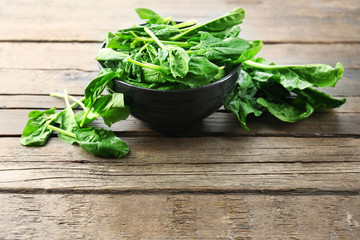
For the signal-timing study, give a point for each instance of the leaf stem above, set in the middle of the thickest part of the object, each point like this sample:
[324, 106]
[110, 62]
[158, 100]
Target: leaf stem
[180, 44]
[265, 66]
[59, 130]
[145, 65]
[76, 101]
[85, 117]
[152, 35]
[185, 24]
[67, 103]
[143, 47]
[186, 31]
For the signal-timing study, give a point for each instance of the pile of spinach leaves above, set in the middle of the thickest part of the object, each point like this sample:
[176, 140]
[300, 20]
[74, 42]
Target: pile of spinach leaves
[168, 55]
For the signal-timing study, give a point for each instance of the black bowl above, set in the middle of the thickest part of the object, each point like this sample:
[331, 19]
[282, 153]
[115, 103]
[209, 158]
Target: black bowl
[175, 110]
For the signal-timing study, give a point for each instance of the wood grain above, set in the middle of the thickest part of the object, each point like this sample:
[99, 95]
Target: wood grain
[214, 181]
[330, 123]
[272, 20]
[187, 216]
[80, 56]
[219, 164]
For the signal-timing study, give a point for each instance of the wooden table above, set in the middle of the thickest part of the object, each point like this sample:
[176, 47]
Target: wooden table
[217, 181]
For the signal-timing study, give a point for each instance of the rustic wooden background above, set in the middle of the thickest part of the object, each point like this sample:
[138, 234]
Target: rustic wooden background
[216, 181]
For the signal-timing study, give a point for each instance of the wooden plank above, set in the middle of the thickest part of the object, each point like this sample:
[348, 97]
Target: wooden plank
[80, 56]
[352, 104]
[44, 81]
[178, 216]
[47, 81]
[274, 21]
[54, 56]
[187, 150]
[187, 165]
[331, 123]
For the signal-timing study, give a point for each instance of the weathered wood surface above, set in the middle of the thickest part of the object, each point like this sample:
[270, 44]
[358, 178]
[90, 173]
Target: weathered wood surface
[215, 181]
[167, 216]
[271, 20]
[234, 164]
[328, 123]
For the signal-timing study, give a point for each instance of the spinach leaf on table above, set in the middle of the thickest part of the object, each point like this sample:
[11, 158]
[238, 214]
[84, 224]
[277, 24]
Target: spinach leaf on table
[242, 100]
[299, 76]
[111, 108]
[99, 142]
[36, 131]
[285, 91]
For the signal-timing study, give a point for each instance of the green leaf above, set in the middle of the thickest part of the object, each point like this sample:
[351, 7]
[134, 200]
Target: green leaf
[292, 111]
[121, 42]
[216, 49]
[250, 52]
[97, 85]
[101, 142]
[178, 61]
[233, 33]
[111, 108]
[319, 99]
[109, 37]
[242, 101]
[145, 13]
[91, 116]
[227, 21]
[301, 76]
[67, 123]
[108, 54]
[98, 142]
[201, 72]
[36, 132]
[154, 76]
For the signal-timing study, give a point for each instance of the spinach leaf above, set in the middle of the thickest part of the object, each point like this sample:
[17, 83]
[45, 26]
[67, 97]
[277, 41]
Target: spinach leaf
[319, 99]
[227, 21]
[95, 88]
[201, 72]
[97, 85]
[98, 142]
[300, 76]
[292, 111]
[101, 142]
[108, 54]
[216, 49]
[242, 101]
[253, 49]
[178, 61]
[111, 108]
[173, 59]
[145, 13]
[36, 131]
[67, 122]
[285, 91]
